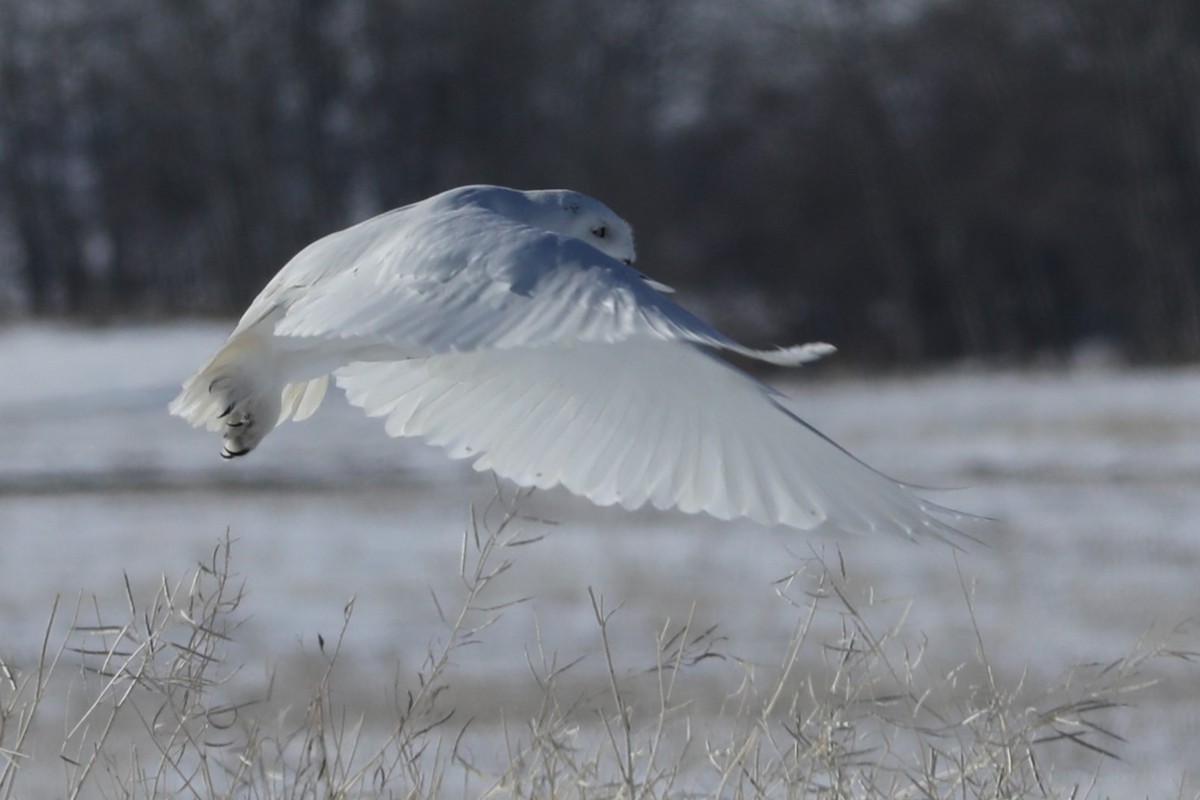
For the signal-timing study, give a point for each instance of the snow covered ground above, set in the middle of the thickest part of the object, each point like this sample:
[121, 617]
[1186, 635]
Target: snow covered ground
[1093, 476]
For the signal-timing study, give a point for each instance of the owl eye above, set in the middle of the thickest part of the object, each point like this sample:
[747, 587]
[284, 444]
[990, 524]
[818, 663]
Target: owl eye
[600, 232]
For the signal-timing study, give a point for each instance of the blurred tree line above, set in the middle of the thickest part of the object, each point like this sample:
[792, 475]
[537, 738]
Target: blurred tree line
[914, 181]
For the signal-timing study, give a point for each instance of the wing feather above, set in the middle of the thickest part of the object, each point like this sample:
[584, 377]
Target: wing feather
[640, 422]
[603, 473]
[632, 473]
[430, 279]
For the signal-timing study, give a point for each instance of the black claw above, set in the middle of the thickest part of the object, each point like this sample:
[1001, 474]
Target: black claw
[228, 410]
[226, 453]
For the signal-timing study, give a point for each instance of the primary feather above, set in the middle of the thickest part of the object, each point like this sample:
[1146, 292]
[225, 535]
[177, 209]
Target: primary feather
[511, 327]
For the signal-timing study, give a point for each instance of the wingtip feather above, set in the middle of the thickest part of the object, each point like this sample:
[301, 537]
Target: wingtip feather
[800, 354]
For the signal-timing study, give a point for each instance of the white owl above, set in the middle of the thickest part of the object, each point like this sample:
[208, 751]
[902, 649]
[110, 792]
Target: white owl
[511, 328]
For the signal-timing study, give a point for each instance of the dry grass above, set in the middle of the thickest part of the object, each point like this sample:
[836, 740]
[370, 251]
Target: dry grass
[142, 706]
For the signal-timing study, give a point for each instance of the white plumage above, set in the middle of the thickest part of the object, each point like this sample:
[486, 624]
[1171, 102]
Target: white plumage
[510, 327]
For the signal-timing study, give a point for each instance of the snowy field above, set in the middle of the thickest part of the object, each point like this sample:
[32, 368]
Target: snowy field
[1093, 476]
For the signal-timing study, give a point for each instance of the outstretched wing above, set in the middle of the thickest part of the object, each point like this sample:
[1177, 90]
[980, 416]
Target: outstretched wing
[468, 279]
[640, 421]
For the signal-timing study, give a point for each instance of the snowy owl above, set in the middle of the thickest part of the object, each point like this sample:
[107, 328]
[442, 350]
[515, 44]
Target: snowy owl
[510, 327]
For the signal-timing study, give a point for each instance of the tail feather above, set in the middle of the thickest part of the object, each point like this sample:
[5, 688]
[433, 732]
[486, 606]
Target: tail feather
[301, 399]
